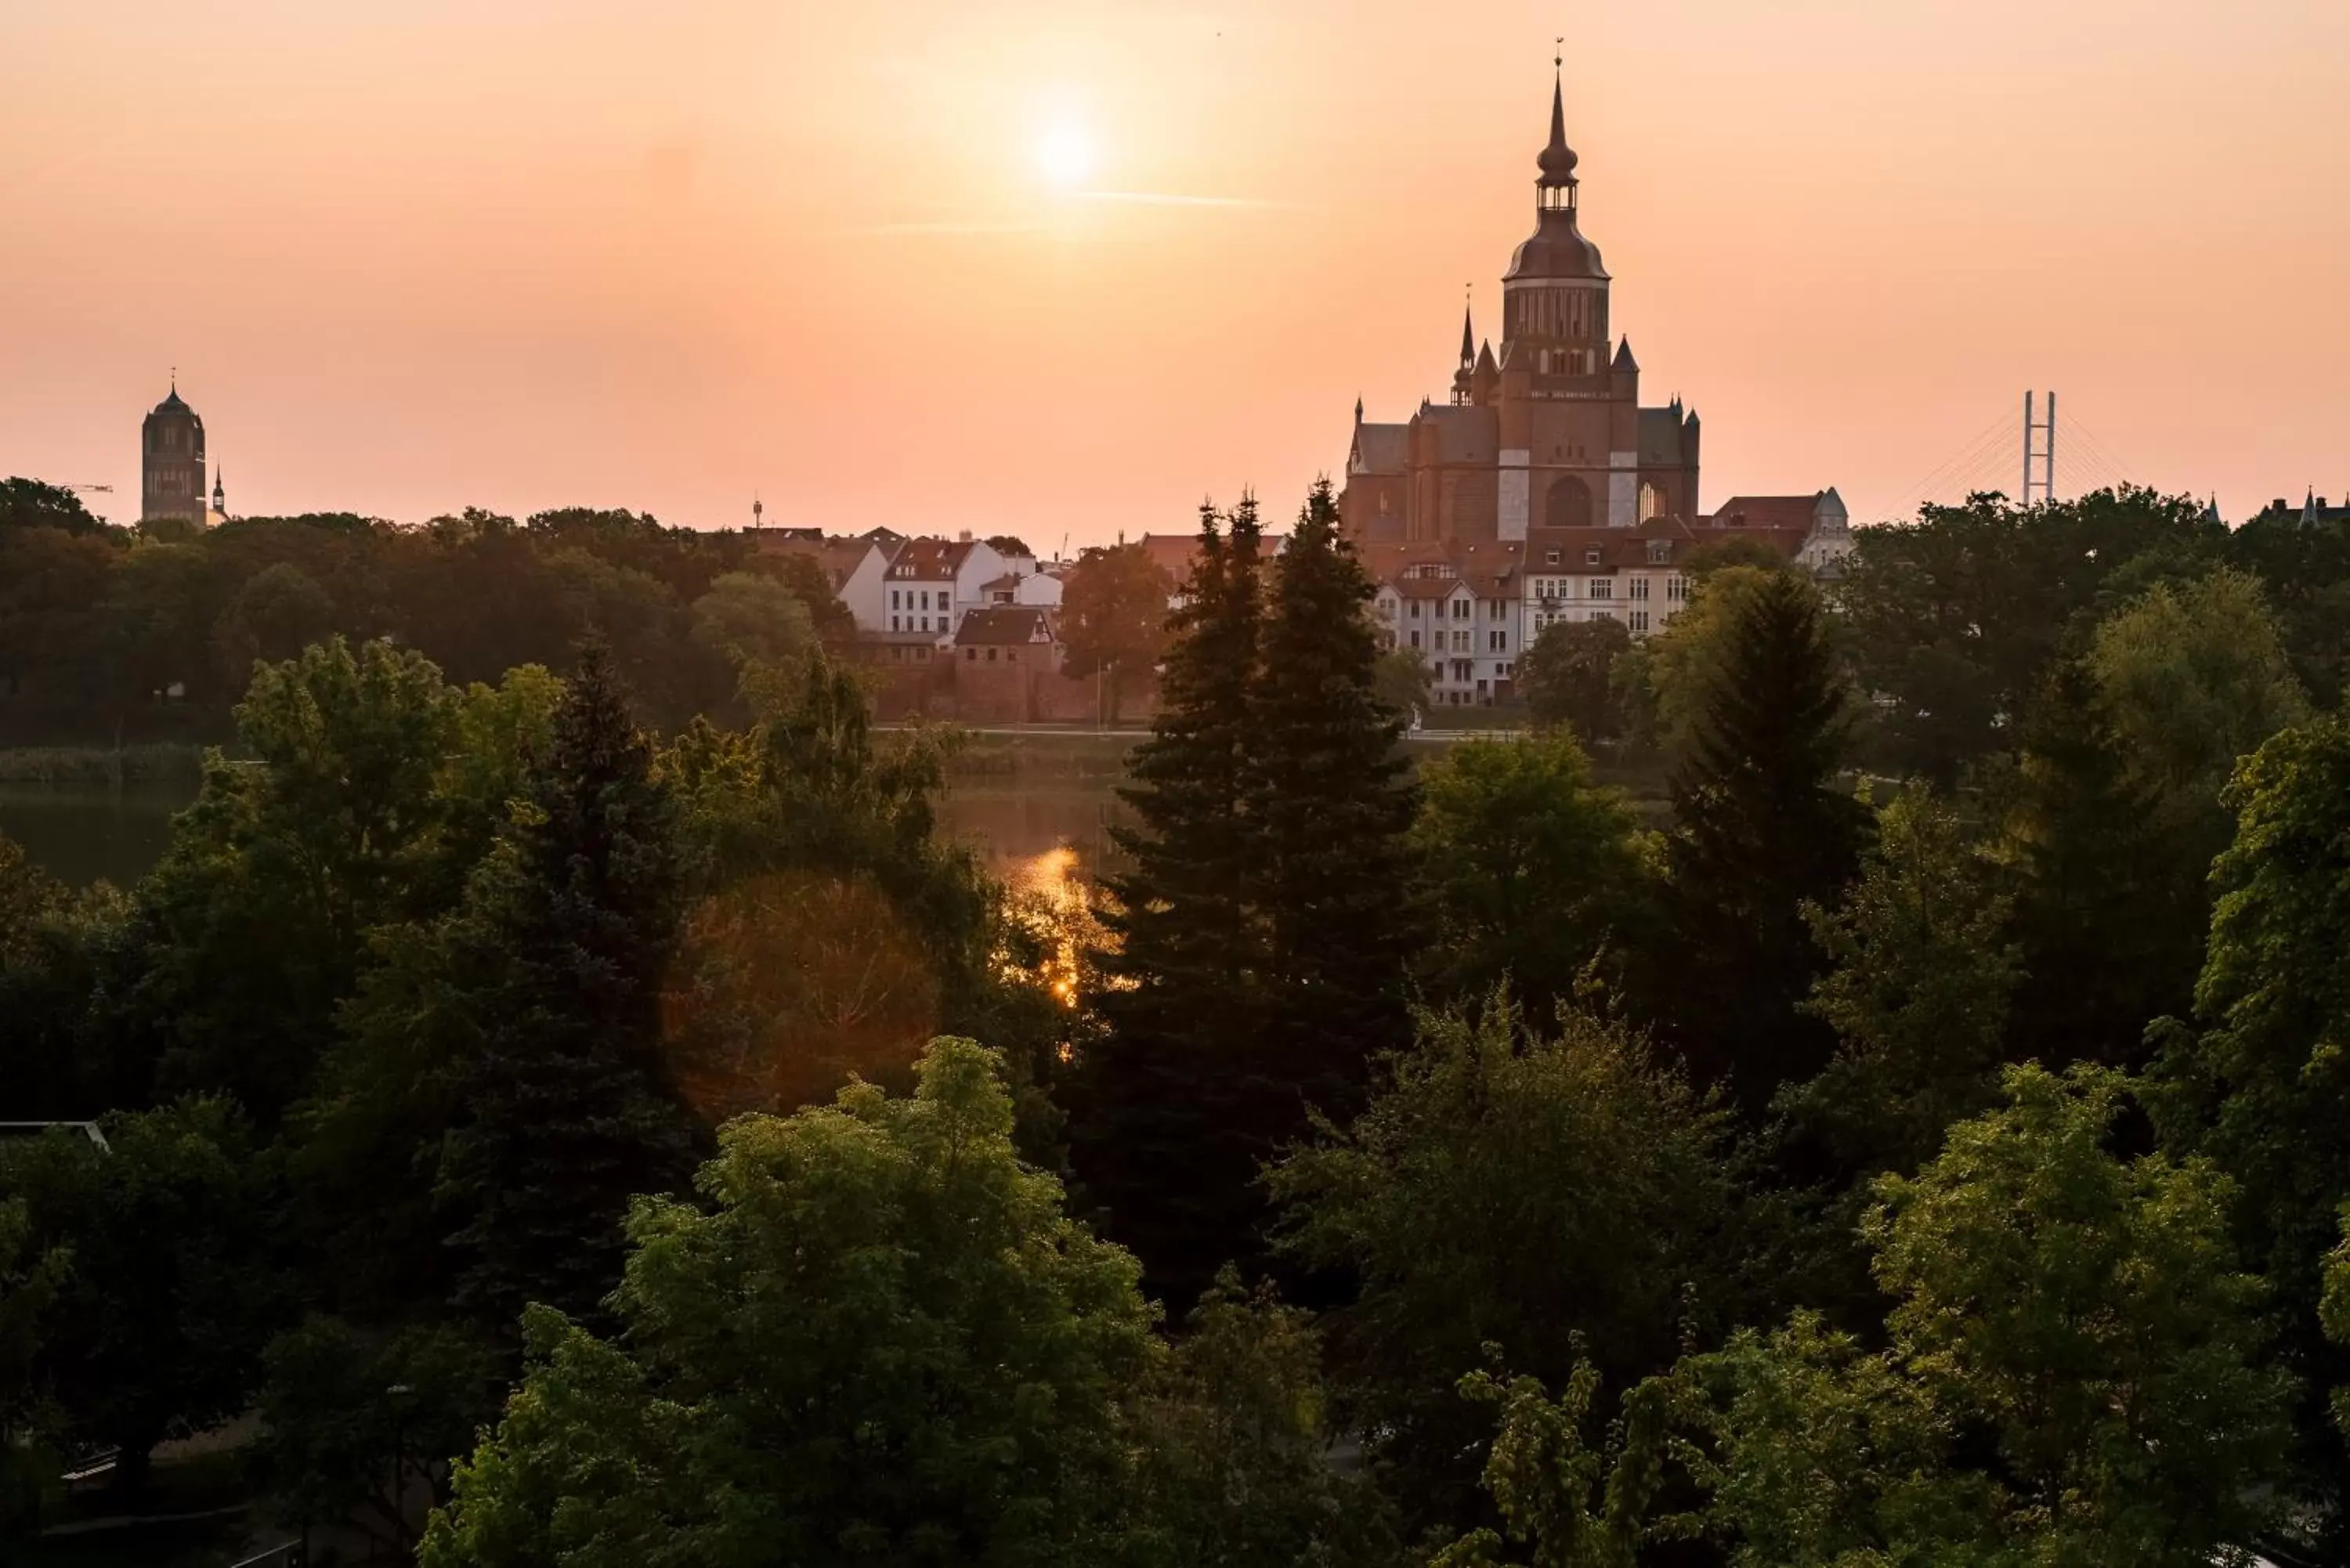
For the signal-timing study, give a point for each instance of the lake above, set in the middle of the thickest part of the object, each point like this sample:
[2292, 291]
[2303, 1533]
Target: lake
[83, 833]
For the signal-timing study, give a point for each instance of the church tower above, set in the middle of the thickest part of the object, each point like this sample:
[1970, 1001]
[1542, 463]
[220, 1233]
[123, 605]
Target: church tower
[171, 462]
[1550, 435]
[1569, 409]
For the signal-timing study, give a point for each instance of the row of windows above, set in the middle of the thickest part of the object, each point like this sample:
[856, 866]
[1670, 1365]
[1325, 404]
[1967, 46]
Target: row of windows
[1659, 550]
[1579, 314]
[1547, 588]
[1636, 619]
[1010, 656]
[945, 598]
[910, 625]
[1495, 610]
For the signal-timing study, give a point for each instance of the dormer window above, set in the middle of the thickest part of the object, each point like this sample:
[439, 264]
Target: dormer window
[1553, 558]
[1659, 551]
[1591, 556]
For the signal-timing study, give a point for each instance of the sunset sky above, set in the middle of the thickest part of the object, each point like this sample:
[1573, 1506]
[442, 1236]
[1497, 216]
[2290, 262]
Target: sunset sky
[1066, 269]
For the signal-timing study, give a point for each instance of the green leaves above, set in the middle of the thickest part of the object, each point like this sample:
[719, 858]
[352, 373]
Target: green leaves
[1114, 618]
[878, 1341]
[2071, 1374]
[1760, 826]
[1554, 1193]
[1567, 677]
[169, 1236]
[1536, 875]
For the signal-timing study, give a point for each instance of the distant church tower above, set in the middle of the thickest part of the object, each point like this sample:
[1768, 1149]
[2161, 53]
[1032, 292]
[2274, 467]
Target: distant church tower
[1550, 433]
[171, 462]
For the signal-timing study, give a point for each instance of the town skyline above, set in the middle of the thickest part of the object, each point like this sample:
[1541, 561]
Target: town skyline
[1063, 276]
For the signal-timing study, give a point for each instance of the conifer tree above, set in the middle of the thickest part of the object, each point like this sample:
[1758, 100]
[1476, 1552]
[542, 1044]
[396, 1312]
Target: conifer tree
[564, 1104]
[1760, 829]
[1329, 804]
[2110, 909]
[1157, 1136]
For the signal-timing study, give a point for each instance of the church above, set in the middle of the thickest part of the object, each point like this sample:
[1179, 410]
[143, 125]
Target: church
[171, 467]
[1542, 492]
[1551, 433]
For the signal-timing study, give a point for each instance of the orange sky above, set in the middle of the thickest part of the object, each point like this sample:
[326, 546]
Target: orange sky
[531, 252]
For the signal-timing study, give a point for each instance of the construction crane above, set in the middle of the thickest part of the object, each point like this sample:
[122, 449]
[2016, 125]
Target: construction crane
[91, 489]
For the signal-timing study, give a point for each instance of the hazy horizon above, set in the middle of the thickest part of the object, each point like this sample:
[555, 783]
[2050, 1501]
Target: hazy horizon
[1050, 269]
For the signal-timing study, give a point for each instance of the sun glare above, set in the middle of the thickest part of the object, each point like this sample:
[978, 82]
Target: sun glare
[1065, 155]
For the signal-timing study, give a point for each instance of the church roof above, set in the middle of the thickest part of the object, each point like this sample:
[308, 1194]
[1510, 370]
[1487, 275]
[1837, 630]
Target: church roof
[1382, 449]
[1461, 433]
[1660, 438]
[1556, 249]
[172, 404]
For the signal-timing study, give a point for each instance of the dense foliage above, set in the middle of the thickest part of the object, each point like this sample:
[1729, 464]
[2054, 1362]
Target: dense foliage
[1113, 619]
[1919, 1139]
[879, 1339]
[109, 633]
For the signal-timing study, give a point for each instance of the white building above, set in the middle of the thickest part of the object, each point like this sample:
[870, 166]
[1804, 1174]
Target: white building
[1471, 609]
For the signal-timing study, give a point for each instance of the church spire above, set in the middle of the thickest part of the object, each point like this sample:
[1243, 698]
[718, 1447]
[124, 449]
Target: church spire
[1557, 160]
[1465, 373]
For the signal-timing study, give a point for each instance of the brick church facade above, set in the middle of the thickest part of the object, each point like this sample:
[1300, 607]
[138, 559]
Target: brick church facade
[1542, 491]
[1550, 433]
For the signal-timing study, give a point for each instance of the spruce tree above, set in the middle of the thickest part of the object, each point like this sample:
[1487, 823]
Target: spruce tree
[1157, 1136]
[1329, 801]
[564, 1105]
[2110, 910]
[1760, 828]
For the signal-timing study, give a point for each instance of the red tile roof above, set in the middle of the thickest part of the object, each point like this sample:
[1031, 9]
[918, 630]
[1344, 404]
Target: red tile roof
[1766, 511]
[929, 559]
[1001, 626]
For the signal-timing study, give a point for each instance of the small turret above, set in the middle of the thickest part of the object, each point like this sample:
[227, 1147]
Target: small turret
[1486, 378]
[1465, 375]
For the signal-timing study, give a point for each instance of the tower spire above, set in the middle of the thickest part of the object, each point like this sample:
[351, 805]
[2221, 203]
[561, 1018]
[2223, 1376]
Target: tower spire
[1557, 161]
[1468, 337]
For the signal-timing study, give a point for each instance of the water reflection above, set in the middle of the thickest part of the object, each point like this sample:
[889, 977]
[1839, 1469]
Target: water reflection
[81, 833]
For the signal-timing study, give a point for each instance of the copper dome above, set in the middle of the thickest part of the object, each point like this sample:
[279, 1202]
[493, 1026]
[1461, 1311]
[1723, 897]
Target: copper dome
[1556, 249]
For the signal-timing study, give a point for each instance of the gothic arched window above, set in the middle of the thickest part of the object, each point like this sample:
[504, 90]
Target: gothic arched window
[1652, 499]
[1568, 505]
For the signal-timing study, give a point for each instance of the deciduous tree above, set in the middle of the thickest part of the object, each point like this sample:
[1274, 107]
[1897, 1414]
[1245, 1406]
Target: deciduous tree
[1554, 1193]
[1567, 677]
[1114, 619]
[1534, 874]
[876, 1339]
[171, 1233]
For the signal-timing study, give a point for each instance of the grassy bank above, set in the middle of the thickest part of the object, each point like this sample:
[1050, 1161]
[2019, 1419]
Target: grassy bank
[84, 765]
[1073, 756]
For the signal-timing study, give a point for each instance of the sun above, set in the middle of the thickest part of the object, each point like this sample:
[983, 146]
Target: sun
[1065, 154]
